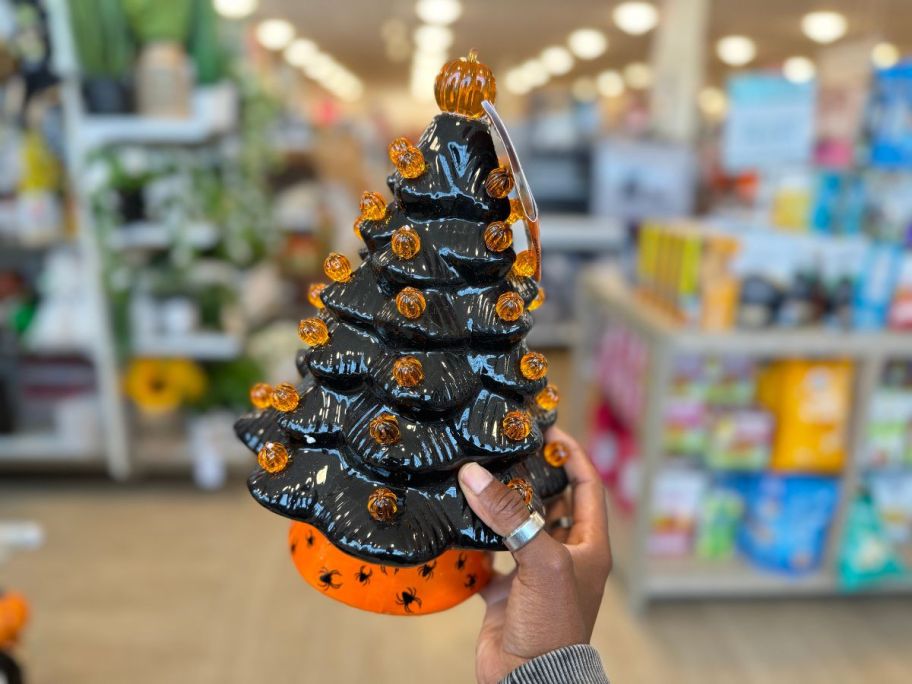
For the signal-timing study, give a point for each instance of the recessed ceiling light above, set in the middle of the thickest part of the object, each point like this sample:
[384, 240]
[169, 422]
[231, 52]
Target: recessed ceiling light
[274, 34]
[635, 18]
[584, 89]
[824, 27]
[535, 73]
[557, 60]
[235, 9]
[433, 39]
[516, 82]
[736, 50]
[320, 66]
[610, 83]
[884, 55]
[300, 52]
[638, 75]
[713, 103]
[441, 12]
[587, 43]
[799, 69]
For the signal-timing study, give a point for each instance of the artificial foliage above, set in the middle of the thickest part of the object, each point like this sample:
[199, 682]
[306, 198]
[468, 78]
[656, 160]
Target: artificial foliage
[416, 364]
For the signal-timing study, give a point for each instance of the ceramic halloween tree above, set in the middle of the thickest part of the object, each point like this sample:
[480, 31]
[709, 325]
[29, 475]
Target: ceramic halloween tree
[416, 364]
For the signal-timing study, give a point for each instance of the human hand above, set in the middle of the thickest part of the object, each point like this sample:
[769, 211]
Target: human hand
[553, 596]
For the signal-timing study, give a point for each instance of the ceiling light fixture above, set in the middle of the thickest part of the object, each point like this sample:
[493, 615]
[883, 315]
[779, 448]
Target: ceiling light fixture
[610, 83]
[587, 43]
[557, 60]
[635, 18]
[884, 55]
[235, 9]
[824, 27]
[799, 69]
[274, 34]
[736, 51]
[439, 12]
[584, 89]
[713, 103]
[300, 52]
[433, 39]
[638, 75]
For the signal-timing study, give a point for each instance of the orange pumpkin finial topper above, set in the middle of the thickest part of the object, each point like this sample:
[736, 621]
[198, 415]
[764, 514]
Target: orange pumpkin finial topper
[463, 84]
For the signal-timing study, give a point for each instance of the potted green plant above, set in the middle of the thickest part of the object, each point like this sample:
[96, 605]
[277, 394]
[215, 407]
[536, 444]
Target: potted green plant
[163, 79]
[106, 55]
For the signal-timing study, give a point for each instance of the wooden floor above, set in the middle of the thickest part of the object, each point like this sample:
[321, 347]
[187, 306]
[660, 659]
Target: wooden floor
[160, 583]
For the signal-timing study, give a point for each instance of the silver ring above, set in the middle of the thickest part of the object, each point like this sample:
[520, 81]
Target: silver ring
[525, 533]
[564, 523]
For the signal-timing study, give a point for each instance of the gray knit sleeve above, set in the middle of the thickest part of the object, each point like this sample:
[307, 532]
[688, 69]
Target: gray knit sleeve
[577, 664]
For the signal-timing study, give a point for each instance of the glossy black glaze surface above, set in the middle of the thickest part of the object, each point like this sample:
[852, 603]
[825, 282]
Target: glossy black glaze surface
[470, 359]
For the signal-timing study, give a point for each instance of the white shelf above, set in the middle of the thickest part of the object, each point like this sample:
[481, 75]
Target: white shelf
[214, 112]
[202, 346]
[42, 447]
[580, 233]
[644, 317]
[145, 235]
[553, 334]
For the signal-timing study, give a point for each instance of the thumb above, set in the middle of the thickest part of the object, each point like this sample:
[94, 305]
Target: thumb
[503, 510]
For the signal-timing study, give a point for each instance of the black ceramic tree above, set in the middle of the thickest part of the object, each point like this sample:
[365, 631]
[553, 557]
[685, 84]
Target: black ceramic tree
[416, 364]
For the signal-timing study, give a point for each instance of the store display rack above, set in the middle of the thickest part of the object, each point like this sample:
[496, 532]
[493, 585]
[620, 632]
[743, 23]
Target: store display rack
[604, 299]
[595, 236]
[213, 115]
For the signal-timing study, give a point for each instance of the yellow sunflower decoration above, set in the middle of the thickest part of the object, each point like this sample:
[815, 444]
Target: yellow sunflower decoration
[163, 385]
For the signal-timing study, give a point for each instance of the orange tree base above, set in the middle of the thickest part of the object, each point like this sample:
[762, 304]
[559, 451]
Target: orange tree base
[442, 583]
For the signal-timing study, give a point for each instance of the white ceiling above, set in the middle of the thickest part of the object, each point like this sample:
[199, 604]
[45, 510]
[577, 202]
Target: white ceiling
[507, 32]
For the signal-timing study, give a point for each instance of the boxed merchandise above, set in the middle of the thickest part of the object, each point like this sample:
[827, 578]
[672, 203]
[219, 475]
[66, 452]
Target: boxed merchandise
[786, 521]
[866, 555]
[901, 307]
[811, 404]
[739, 439]
[875, 286]
[685, 426]
[889, 430]
[676, 498]
[720, 514]
[891, 493]
[730, 380]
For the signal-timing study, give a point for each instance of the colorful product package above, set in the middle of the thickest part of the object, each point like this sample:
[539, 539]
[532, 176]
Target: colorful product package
[891, 493]
[786, 522]
[721, 510]
[731, 380]
[811, 403]
[739, 439]
[676, 497]
[685, 426]
[889, 429]
[875, 286]
[866, 555]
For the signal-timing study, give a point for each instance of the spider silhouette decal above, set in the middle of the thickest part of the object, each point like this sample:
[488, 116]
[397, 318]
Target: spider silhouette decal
[461, 561]
[427, 570]
[327, 578]
[310, 539]
[471, 579]
[384, 569]
[408, 597]
[364, 576]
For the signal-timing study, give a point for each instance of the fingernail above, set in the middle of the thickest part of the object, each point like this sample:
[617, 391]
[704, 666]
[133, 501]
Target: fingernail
[475, 477]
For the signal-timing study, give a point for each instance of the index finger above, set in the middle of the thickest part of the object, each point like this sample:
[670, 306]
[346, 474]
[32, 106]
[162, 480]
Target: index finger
[590, 511]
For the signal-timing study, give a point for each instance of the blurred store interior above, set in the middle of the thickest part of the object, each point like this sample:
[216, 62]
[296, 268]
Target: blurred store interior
[725, 193]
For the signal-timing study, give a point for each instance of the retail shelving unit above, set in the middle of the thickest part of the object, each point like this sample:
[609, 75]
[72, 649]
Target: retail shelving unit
[213, 114]
[603, 299]
[568, 233]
